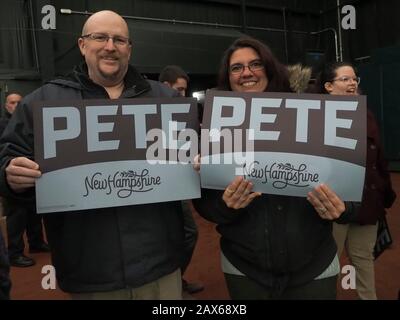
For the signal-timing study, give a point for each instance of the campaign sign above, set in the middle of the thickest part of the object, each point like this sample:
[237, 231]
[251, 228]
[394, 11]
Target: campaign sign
[284, 143]
[108, 153]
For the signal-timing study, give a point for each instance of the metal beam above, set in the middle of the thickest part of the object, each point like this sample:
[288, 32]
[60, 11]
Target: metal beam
[261, 6]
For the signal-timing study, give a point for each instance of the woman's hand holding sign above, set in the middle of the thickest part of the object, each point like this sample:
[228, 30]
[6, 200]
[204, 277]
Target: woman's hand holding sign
[21, 174]
[326, 202]
[196, 163]
[239, 193]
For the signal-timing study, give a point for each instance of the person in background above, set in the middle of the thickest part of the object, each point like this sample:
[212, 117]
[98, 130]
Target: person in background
[12, 100]
[272, 246]
[21, 216]
[176, 78]
[299, 78]
[359, 236]
[5, 282]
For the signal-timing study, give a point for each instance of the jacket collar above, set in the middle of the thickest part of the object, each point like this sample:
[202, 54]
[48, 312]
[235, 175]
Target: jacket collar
[134, 82]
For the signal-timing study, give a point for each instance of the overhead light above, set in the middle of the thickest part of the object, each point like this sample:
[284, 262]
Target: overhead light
[66, 11]
[199, 95]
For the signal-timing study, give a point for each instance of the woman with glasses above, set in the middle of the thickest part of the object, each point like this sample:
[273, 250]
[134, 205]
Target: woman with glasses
[359, 236]
[338, 78]
[272, 246]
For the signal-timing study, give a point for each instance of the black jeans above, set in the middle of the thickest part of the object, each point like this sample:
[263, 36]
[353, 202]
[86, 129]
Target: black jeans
[19, 219]
[243, 288]
[5, 283]
[191, 235]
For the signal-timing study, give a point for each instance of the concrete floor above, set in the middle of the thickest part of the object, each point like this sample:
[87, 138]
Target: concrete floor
[205, 266]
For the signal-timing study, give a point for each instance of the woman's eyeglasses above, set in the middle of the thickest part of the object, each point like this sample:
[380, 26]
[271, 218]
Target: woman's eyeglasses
[348, 79]
[238, 68]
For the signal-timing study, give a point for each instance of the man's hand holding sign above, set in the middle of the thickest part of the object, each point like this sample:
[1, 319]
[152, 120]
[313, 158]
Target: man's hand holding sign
[21, 174]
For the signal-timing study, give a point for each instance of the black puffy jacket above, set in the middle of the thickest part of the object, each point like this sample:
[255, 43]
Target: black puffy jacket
[278, 241]
[101, 249]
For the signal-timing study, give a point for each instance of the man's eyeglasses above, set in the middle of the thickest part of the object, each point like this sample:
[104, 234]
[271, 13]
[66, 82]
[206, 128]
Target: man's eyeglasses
[101, 37]
[238, 68]
[348, 79]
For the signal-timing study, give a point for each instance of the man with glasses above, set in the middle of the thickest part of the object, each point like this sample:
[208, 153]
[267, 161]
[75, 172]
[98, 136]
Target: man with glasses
[130, 252]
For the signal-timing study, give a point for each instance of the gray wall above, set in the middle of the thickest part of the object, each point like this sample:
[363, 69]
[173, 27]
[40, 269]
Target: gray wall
[196, 48]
